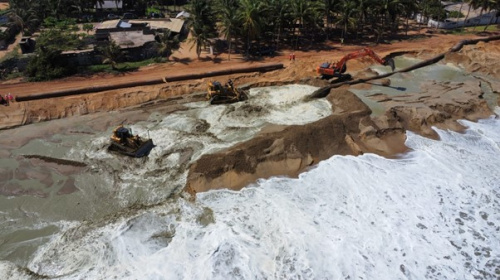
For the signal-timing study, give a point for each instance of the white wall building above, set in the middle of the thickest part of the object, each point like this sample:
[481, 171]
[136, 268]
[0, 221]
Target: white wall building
[110, 5]
[475, 17]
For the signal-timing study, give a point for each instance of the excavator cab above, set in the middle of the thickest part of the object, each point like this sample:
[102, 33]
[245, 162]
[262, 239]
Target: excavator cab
[337, 69]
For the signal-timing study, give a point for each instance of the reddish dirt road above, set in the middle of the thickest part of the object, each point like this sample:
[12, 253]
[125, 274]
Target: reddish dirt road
[186, 63]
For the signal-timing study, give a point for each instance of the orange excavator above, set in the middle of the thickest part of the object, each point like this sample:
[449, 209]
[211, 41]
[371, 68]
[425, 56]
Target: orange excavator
[330, 70]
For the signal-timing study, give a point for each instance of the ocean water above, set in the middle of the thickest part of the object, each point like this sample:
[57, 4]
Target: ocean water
[433, 213]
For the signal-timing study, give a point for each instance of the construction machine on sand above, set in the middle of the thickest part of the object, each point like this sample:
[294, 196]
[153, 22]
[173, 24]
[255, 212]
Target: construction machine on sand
[124, 142]
[219, 94]
[330, 70]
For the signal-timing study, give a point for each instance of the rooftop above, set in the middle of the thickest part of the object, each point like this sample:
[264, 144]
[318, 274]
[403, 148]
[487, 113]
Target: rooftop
[109, 24]
[110, 5]
[130, 39]
[173, 24]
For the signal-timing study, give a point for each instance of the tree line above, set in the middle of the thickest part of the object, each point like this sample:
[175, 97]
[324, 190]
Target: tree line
[298, 22]
[268, 21]
[247, 26]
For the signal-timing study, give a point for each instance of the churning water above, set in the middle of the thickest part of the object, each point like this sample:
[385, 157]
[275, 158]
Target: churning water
[434, 213]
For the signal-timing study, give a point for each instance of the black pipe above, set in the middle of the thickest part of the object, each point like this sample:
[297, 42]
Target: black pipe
[92, 89]
[324, 91]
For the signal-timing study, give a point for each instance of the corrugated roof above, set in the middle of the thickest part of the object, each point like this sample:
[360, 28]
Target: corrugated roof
[130, 39]
[173, 24]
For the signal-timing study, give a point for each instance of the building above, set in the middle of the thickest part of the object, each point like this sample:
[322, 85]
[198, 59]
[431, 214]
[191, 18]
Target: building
[151, 26]
[476, 17]
[175, 25]
[131, 39]
[109, 5]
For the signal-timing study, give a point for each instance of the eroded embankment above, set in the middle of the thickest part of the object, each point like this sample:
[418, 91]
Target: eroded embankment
[350, 130]
[171, 90]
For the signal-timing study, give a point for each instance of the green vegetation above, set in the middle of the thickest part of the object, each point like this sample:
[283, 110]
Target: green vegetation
[8, 64]
[120, 67]
[456, 14]
[251, 27]
[48, 63]
[167, 43]
[111, 54]
[202, 23]
[492, 28]
[87, 27]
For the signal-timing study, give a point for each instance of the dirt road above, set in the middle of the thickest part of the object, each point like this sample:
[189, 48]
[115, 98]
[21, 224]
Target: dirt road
[186, 63]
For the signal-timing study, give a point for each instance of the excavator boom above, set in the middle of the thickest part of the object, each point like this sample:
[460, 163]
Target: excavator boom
[337, 69]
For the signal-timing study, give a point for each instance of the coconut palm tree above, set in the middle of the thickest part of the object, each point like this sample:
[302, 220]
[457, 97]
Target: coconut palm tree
[488, 6]
[167, 43]
[201, 23]
[111, 54]
[304, 12]
[470, 3]
[250, 17]
[227, 15]
[277, 12]
[28, 14]
[410, 7]
[329, 8]
[347, 15]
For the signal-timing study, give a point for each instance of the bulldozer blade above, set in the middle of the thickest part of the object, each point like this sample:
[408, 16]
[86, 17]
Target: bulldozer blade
[390, 62]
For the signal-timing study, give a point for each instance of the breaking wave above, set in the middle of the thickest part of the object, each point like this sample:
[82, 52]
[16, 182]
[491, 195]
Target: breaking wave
[433, 214]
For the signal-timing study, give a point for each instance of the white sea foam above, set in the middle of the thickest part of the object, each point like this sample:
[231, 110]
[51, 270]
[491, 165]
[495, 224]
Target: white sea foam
[432, 214]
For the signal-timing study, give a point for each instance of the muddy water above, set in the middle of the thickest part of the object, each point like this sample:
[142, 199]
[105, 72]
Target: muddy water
[402, 83]
[111, 213]
[39, 197]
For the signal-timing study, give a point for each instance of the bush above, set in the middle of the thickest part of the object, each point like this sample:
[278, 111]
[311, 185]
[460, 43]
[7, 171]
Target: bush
[455, 14]
[8, 64]
[87, 27]
[48, 64]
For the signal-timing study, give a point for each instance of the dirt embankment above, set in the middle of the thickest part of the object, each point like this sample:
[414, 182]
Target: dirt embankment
[349, 131]
[303, 67]
[289, 150]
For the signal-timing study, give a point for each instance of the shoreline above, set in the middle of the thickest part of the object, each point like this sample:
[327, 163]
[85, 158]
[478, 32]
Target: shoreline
[286, 150]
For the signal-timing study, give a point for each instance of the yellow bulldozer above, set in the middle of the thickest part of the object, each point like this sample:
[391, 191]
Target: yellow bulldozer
[124, 142]
[223, 94]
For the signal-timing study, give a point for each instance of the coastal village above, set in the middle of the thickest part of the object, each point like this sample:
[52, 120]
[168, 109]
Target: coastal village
[136, 116]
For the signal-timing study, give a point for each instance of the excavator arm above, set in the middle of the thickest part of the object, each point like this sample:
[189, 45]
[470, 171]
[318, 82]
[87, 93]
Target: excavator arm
[337, 69]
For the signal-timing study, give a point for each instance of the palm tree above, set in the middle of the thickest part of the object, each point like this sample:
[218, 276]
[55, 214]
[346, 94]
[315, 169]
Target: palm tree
[249, 15]
[409, 7]
[228, 20]
[347, 16]
[460, 10]
[329, 8]
[111, 54]
[277, 11]
[27, 14]
[304, 11]
[201, 23]
[488, 6]
[167, 44]
[469, 3]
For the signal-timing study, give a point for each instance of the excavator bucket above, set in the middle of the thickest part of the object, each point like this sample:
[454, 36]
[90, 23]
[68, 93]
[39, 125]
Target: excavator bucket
[390, 62]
